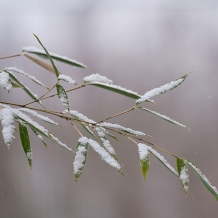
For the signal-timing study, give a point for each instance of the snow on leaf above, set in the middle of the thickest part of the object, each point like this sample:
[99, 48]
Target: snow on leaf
[8, 128]
[13, 69]
[59, 142]
[163, 117]
[161, 90]
[5, 81]
[183, 174]
[35, 114]
[144, 159]
[123, 129]
[80, 159]
[81, 117]
[66, 79]
[39, 136]
[97, 78]
[162, 160]
[63, 96]
[42, 54]
[212, 189]
[101, 152]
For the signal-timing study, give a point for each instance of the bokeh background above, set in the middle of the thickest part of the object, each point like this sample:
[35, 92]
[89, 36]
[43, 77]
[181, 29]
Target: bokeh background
[140, 45]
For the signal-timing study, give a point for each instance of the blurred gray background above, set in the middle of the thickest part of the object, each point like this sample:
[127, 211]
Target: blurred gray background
[140, 45]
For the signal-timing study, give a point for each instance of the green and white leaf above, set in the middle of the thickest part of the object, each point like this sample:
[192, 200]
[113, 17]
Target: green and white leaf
[42, 54]
[40, 116]
[161, 90]
[8, 127]
[26, 89]
[48, 56]
[67, 79]
[63, 145]
[144, 159]
[80, 159]
[162, 160]
[5, 81]
[183, 173]
[13, 69]
[39, 136]
[97, 78]
[212, 189]
[25, 140]
[163, 117]
[63, 96]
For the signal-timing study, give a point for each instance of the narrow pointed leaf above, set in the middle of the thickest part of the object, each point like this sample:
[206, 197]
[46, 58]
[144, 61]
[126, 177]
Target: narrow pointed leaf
[183, 174]
[48, 56]
[13, 69]
[5, 81]
[63, 96]
[162, 160]
[24, 137]
[39, 136]
[97, 78]
[80, 159]
[27, 90]
[161, 90]
[144, 159]
[41, 63]
[59, 142]
[67, 79]
[42, 54]
[87, 129]
[212, 189]
[163, 117]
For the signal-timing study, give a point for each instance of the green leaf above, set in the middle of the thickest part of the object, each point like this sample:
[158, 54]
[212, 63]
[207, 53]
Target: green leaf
[162, 116]
[24, 137]
[48, 56]
[63, 96]
[114, 137]
[183, 174]
[204, 180]
[32, 95]
[80, 159]
[145, 166]
[39, 136]
[40, 53]
[161, 90]
[87, 129]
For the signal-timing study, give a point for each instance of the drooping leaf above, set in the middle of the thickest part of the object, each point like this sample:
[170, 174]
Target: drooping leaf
[5, 81]
[8, 127]
[212, 189]
[144, 159]
[163, 117]
[161, 90]
[42, 54]
[183, 174]
[162, 160]
[80, 159]
[13, 69]
[24, 137]
[48, 56]
[31, 94]
[41, 63]
[67, 79]
[39, 136]
[63, 96]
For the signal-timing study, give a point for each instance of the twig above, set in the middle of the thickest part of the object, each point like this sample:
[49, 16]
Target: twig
[11, 56]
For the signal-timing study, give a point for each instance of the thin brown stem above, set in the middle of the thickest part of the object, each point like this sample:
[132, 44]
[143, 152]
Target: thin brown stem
[116, 115]
[11, 56]
[77, 129]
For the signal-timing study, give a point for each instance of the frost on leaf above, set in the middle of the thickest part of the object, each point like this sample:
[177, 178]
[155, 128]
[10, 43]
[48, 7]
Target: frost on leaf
[80, 159]
[5, 81]
[8, 128]
[161, 90]
[63, 96]
[97, 78]
[183, 174]
[67, 79]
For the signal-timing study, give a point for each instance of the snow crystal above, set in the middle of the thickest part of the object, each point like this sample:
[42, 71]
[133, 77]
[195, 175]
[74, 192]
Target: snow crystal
[5, 81]
[184, 177]
[97, 78]
[35, 114]
[143, 151]
[124, 129]
[79, 159]
[7, 121]
[29, 155]
[66, 79]
[32, 49]
[160, 90]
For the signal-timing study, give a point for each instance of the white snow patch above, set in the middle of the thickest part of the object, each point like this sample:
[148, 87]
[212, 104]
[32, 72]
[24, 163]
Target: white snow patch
[5, 81]
[81, 116]
[66, 79]
[184, 177]
[79, 160]
[97, 78]
[143, 151]
[29, 155]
